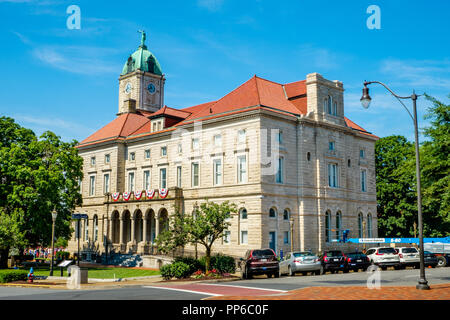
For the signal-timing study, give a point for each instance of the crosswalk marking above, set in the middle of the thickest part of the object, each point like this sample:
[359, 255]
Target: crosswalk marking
[244, 287]
[184, 290]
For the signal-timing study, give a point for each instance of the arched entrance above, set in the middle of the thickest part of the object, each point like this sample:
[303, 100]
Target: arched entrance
[115, 227]
[126, 216]
[151, 225]
[139, 226]
[163, 220]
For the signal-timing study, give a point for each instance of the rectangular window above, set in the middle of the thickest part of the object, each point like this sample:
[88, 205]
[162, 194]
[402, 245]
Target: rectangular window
[107, 158]
[163, 151]
[244, 237]
[163, 178]
[195, 144]
[106, 183]
[92, 161]
[147, 154]
[226, 237]
[362, 154]
[180, 148]
[146, 180]
[217, 166]
[195, 175]
[363, 180]
[130, 181]
[179, 176]
[241, 136]
[217, 140]
[331, 145]
[91, 185]
[333, 175]
[286, 237]
[279, 176]
[132, 156]
[242, 169]
[280, 137]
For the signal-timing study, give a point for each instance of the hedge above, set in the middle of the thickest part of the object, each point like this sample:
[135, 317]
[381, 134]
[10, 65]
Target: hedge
[193, 263]
[178, 270]
[220, 262]
[62, 255]
[9, 275]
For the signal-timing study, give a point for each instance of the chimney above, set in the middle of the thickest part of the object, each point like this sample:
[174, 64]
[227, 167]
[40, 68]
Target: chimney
[129, 106]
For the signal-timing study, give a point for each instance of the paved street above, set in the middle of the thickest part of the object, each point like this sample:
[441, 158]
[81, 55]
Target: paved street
[258, 287]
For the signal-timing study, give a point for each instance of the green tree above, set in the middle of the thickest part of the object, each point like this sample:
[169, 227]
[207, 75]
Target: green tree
[37, 176]
[435, 163]
[396, 196]
[207, 224]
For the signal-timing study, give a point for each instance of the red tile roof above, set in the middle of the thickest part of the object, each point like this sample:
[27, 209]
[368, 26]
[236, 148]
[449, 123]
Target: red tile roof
[256, 93]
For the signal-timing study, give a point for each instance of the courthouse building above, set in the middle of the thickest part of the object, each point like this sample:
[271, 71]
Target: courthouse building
[298, 170]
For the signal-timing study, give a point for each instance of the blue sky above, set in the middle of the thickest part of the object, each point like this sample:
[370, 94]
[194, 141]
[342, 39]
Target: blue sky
[66, 81]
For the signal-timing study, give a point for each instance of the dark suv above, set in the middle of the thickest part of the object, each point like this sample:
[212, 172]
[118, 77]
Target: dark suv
[260, 261]
[334, 261]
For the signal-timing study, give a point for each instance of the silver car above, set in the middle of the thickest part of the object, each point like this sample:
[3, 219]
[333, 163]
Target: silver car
[303, 262]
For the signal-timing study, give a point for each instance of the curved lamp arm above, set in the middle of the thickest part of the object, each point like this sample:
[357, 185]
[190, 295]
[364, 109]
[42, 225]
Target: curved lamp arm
[414, 96]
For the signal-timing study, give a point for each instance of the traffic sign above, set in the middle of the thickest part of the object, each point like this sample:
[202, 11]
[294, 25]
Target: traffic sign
[79, 216]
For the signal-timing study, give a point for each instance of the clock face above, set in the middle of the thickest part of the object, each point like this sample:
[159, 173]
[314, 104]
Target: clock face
[128, 88]
[151, 88]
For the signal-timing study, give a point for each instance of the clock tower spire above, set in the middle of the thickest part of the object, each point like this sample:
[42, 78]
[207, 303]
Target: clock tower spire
[141, 80]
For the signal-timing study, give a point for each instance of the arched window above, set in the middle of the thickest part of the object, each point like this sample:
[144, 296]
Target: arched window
[360, 225]
[130, 65]
[335, 108]
[286, 214]
[330, 104]
[243, 213]
[327, 226]
[338, 225]
[325, 105]
[369, 225]
[272, 213]
[151, 64]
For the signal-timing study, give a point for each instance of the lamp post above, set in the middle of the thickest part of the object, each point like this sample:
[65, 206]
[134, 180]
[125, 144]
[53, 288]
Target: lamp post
[365, 101]
[54, 215]
[291, 223]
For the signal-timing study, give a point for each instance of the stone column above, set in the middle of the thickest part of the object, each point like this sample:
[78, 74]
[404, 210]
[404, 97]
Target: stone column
[157, 226]
[144, 230]
[121, 231]
[110, 229]
[133, 229]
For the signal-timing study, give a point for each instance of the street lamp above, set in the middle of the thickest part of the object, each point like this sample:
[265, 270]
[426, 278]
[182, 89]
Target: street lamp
[54, 215]
[365, 101]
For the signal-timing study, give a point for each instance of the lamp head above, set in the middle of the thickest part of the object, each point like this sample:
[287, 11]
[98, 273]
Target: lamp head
[365, 99]
[54, 215]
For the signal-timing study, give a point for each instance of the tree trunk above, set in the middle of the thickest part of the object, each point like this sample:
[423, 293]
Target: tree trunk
[208, 259]
[4, 258]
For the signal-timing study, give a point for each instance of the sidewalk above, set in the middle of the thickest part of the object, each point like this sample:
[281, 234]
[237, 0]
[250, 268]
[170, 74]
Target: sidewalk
[437, 292]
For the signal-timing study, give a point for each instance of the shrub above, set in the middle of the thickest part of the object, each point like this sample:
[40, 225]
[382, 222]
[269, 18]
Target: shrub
[193, 263]
[180, 270]
[62, 255]
[166, 271]
[224, 264]
[8, 275]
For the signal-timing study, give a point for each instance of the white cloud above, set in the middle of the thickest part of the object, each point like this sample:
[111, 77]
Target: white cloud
[421, 74]
[77, 59]
[211, 5]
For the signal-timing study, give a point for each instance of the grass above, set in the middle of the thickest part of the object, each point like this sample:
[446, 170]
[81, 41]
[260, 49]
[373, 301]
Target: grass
[100, 272]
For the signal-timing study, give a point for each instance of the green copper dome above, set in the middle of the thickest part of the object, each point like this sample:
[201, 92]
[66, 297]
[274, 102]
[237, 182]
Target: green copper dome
[142, 59]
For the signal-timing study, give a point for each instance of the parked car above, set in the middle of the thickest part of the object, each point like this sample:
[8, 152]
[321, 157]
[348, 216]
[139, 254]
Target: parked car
[333, 261]
[259, 261]
[303, 262]
[384, 257]
[430, 259]
[409, 256]
[357, 260]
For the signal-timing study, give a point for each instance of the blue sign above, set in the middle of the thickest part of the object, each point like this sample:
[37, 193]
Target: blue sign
[79, 216]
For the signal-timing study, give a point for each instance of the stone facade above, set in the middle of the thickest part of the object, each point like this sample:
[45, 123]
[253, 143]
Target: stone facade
[247, 158]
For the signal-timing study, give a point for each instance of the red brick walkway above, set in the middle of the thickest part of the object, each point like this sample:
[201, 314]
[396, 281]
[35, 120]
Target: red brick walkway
[437, 292]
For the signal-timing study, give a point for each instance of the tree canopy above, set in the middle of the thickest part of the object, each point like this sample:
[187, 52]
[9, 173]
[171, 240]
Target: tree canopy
[38, 175]
[396, 178]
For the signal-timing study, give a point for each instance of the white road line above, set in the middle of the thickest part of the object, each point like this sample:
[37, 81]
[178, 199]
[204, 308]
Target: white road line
[244, 287]
[184, 290]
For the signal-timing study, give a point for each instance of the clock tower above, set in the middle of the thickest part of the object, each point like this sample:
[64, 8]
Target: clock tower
[142, 80]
